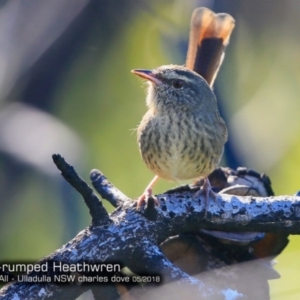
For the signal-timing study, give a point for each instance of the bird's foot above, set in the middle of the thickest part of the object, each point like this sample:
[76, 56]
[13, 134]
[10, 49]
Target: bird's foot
[144, 198]
[207, 192]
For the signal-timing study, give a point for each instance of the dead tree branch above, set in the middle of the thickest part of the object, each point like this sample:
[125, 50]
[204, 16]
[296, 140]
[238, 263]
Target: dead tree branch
[128, 236]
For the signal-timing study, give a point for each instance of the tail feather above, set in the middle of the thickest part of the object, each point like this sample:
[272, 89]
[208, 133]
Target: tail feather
[209, 37]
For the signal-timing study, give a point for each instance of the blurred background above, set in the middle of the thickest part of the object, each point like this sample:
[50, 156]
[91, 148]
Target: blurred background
[66, 87]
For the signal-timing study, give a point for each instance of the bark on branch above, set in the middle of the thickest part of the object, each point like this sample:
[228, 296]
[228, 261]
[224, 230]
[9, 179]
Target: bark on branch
[132, 237]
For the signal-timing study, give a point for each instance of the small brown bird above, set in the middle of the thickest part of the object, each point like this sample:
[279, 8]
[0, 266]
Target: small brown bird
[182, 134]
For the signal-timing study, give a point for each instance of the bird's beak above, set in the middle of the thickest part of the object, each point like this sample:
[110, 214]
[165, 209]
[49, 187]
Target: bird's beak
[147, 74]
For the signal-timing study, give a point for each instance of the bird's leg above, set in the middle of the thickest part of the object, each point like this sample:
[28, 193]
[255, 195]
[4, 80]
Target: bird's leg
[207, 191]
[148, 193]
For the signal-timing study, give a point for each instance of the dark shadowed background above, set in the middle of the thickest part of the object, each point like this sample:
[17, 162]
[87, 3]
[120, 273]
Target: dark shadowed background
[66, 87]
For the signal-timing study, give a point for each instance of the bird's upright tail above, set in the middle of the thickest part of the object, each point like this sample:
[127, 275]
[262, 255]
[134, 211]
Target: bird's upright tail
[209, 36]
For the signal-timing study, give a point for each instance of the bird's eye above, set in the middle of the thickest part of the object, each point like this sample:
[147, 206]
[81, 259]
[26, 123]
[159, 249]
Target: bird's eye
[177, 84]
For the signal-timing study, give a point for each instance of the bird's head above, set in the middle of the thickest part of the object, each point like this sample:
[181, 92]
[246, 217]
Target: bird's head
[176, 87]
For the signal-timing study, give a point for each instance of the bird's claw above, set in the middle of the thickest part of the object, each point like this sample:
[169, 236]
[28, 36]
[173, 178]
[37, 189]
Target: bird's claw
[144, 198]
[207, 192]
